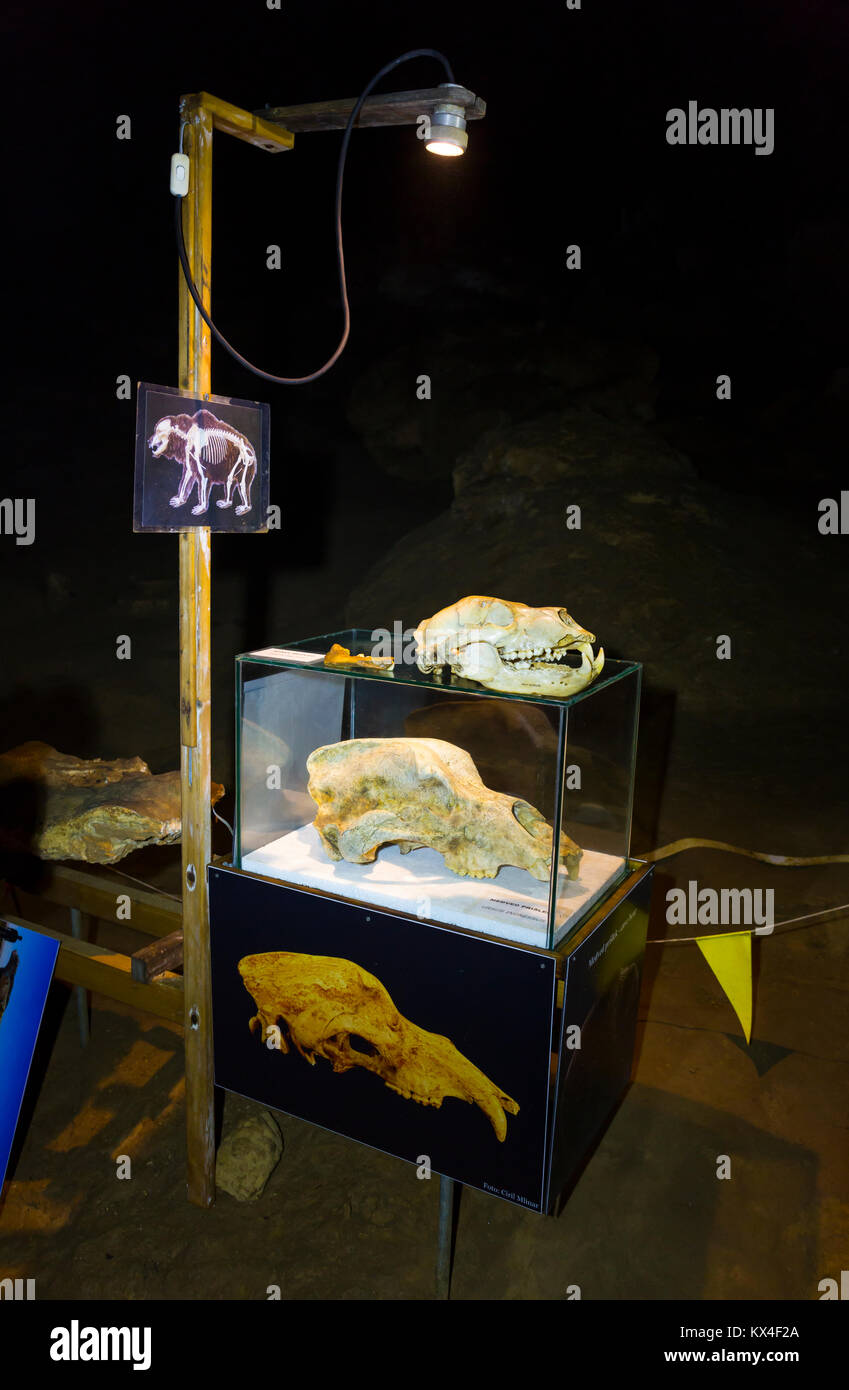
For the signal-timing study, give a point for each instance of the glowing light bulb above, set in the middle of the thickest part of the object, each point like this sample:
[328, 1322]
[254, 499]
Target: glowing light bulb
[448, 135]
[443, 146]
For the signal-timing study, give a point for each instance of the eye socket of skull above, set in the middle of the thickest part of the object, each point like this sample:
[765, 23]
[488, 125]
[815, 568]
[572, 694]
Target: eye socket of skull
[563, 615]
[357, 1043]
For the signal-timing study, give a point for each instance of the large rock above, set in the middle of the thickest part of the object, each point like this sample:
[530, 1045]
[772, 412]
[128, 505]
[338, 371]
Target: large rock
[248, 1155]
[57, 806]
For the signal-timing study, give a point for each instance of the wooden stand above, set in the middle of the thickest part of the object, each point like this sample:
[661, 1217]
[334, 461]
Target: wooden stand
[91, 893]
[200, 114]
[195, 709]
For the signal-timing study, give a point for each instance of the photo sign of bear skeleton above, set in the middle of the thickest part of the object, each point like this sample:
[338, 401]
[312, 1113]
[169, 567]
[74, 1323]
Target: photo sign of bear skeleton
[200, 461]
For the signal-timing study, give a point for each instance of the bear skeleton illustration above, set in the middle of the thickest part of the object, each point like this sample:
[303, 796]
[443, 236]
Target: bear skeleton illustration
[212, 453]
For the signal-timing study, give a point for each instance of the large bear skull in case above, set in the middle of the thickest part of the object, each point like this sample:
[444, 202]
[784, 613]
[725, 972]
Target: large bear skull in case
[426, 793]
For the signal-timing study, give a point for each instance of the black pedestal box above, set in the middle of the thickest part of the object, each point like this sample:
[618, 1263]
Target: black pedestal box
[492, 1063]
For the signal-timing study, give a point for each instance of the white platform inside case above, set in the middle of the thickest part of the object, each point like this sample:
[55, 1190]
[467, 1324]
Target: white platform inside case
[512, 905]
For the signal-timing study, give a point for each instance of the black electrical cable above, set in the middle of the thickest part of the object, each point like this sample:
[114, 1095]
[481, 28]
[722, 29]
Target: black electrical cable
[343, 287]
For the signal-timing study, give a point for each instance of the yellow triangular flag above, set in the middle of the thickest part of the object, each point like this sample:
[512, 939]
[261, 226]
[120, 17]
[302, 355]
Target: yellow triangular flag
[730, 958]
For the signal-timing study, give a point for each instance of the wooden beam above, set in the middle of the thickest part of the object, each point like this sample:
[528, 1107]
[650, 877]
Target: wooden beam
[160, 956]
[244, 125]
[109, 972]
[387, 108]
[195, 703]
[97, 893]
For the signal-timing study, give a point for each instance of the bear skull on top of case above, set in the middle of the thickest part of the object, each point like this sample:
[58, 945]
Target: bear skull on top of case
[509, 647]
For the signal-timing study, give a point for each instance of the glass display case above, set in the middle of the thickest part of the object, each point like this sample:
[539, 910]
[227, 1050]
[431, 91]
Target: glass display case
[432, 796]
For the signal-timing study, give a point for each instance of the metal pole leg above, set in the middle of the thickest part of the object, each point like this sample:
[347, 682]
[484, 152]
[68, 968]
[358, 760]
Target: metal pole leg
[77, 929]
[446, 1230]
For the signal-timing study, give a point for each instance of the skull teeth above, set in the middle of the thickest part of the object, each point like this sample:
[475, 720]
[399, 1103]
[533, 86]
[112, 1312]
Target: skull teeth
[519, 660]
[517, 654]
[411, 1095]
[527, 658]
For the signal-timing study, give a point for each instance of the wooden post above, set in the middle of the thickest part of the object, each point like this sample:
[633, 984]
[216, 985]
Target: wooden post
[195, 707]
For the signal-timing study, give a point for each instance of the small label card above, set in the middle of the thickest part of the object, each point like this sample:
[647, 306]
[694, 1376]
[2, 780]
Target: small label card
[284, 654]
[513, 908]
